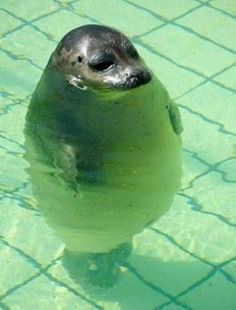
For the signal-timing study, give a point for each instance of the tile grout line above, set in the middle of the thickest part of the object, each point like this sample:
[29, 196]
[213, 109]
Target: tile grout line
[227, 276]
[154, 287]
[210, 79]
[160, 17]
[43, 271]
[16, 57]
[153, 51]
[3, 306]
[212, 167]
[215, 266]
[20, 285]
[199, 35]
[196, 207]
[21, 201]
[220, 10]
[186, 195]
[194, 286]
[150, 49]
[174, 23]
[174, 242]
[28, 23]
[18, 144]
[208, 120]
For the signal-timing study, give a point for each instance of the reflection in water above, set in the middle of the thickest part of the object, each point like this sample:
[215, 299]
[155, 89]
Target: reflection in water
[102, 168]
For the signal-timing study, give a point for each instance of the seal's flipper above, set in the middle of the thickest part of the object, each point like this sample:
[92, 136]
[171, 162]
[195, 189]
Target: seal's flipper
[65, 162]
[175, 118]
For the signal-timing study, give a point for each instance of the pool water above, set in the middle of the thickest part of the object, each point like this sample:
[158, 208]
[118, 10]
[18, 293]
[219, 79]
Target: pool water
[187, 259]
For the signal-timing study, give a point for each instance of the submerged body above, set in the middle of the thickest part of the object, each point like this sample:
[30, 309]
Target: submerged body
[104, 163]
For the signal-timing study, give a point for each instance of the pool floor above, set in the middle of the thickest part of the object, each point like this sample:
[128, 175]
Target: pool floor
[187, 259]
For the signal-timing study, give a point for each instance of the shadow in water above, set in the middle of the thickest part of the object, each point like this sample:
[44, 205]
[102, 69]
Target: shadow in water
[96, 269]
[149, 282]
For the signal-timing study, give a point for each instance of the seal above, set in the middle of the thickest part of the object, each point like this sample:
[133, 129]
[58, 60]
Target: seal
[103, 141]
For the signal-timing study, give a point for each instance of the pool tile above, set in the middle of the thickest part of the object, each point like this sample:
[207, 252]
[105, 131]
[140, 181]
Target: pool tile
[216, 293]
[227, 78]
[202, 234]
[164, 264]
[192, 168]
[44, 294]
[176, 80]
[128, 293]
[64, 2]
[231, 269]
[28, 9]
[213, 102]
[156, 257]
[214, 25]
[215, 195]
[11, 158]
[41, 245]
[60, 274]
[168, 9]
[67, 21]
[124, 17]
[8, 23]
[11, 125]
[15, 269]
[226, 5]
[20, 77]
[173, 306]
[196, 138]
[188, 50]
[5, 104]
[228, 168]
[29, 43]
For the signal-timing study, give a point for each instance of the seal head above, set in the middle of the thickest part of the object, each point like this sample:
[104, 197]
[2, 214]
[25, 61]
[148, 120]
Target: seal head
[100, 57]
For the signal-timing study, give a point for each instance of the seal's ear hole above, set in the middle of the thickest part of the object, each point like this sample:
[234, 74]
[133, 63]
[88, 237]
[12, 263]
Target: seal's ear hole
[79, 59]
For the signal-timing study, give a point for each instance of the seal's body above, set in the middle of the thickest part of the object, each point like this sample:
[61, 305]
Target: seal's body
[102, 140]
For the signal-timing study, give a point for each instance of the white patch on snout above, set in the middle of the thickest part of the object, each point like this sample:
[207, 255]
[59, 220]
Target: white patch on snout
[76, 81]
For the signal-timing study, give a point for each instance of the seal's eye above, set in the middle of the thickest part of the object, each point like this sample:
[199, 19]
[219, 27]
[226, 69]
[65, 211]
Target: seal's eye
[79, 59]
[102, 66]
[132, 52]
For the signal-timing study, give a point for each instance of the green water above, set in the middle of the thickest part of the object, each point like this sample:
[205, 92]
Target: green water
[185, 260]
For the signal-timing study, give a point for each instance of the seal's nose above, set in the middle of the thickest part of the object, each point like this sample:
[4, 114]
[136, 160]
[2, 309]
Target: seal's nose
[137, 77]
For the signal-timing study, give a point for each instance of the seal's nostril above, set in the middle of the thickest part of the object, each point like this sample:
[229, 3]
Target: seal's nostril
[145, 76]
